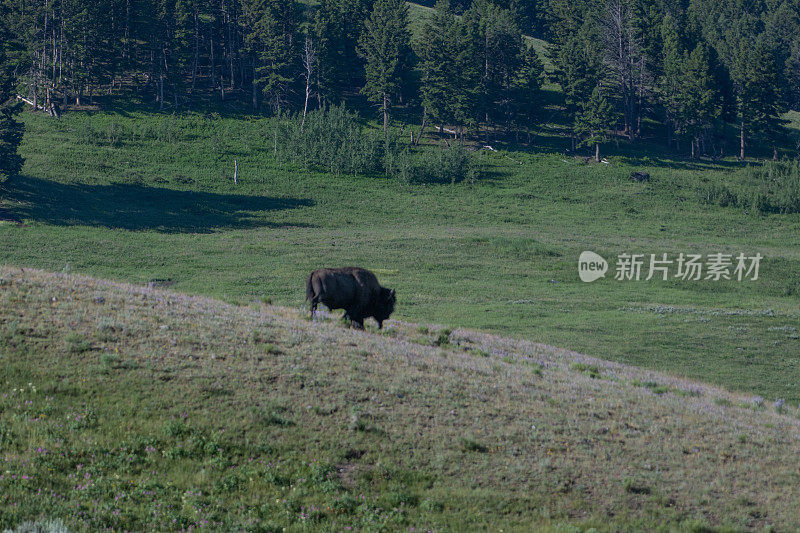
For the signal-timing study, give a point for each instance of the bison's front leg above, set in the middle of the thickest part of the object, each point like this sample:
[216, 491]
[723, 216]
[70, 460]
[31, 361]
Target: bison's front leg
[356, 320]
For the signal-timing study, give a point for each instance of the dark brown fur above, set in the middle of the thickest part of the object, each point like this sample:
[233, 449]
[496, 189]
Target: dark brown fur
[356, 290]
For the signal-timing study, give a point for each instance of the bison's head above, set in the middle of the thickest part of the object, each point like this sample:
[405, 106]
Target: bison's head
[385, 305]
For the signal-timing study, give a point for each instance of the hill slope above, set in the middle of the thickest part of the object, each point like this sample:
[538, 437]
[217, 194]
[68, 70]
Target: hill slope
[138, 408]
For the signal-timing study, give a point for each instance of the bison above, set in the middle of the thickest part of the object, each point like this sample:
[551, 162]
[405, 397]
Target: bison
[356, 290]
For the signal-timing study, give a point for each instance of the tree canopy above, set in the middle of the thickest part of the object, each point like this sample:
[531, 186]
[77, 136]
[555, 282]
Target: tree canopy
[681, 73]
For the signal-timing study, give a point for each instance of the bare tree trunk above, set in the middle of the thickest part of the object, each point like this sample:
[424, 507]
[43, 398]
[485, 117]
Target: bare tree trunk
[255, 87]
[597, 152]
[213, 66]
[385, 112]
[305, 106]
[229, 45]
[422, 127]
[620, 52]
[126, 32]
[196, 50]
[741, 139]
[641, 102]
[309, 60]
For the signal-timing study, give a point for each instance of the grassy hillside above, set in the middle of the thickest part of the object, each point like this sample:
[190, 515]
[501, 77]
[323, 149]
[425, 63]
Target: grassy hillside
[129, 407]
[148, 197]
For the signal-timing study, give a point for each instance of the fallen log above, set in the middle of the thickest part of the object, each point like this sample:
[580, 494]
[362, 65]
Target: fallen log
[30, 103]
[53, 110]
[491, 149]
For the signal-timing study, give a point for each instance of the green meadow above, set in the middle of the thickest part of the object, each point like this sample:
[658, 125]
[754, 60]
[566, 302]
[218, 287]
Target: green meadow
[149, 198]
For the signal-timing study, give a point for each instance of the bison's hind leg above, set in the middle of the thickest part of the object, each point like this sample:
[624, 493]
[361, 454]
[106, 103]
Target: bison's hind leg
[314, 303]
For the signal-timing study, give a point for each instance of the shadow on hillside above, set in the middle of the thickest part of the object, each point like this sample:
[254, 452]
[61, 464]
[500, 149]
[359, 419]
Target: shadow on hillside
[137, 207]
[679, 162]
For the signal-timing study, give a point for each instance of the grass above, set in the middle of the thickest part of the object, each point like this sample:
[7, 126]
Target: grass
[205, 430]
[150, 199]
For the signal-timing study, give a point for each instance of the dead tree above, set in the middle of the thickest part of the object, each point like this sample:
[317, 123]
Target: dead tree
[624, 57]
[309, 63]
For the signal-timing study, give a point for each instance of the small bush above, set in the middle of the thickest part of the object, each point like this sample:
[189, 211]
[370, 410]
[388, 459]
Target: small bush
[77, 344]
[634, 487]
[471, 445]
[272, 349]
[440, 165]
[443, 339]
[537, 368]
[109, 359]
[654, 386]
[591, 370]
[333, 140]
[114, 134]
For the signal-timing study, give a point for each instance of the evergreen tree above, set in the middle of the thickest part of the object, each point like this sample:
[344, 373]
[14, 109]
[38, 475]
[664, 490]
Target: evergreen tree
[527, 13]
[526, 98]
[688, 88]
[575, 53]
[450, 77]
[767, 94]
[594, 121]
[10, 130]
[337, 27]
[701, 104]
[671, 82]
[437, 68]
[500, 48]
[758, 93]
[384, 44]
[273, 38]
